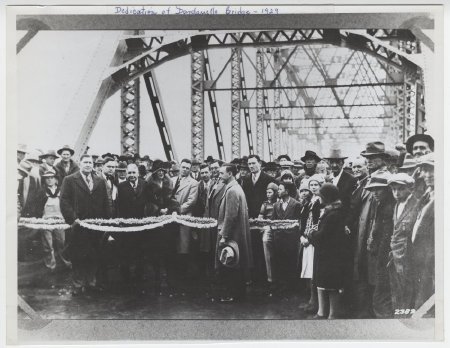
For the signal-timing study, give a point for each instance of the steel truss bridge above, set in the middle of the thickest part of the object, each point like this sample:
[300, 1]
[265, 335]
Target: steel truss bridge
[312, 86]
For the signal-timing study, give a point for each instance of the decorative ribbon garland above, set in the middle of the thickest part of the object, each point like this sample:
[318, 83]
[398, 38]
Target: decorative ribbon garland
[147, 223]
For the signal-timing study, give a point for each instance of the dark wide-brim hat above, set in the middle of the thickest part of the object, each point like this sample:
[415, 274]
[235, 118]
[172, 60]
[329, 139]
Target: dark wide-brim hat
[158, 165]
[271, 166]
[310, 155]
[286, 157]
[66, 148]
[122, 167]
[419, 137]
[375, 149]
[229, 254]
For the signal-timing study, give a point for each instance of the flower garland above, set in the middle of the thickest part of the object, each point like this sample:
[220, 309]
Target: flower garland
[274, 224]
[147, 223]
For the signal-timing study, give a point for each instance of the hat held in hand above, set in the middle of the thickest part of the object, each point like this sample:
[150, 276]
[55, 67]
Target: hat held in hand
[229, 255]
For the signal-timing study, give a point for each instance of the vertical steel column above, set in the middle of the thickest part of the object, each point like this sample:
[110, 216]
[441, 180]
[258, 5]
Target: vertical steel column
[235, 103]
[197, 105]
[420, 107]
[214, 109]
[259, 104]
[244, 99]
[410, 105]
[130, 114]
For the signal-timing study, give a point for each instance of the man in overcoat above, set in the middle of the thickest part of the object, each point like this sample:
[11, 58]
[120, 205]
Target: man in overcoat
[255, 187]
[399, 264]
[233, 226]
[185, 192]
[422, 239]
[84, 196]
[131, 203]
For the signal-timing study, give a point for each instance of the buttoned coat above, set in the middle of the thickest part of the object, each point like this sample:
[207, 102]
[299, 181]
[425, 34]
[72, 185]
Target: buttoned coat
[256, 193]
[208, 237]
[233, 223]
[186, 195]
[423, 265]
[61, 172]
[77, 202]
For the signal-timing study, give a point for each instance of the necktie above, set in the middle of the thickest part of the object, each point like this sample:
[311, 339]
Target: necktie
[89, 182]
[254, 179]
[177, 185]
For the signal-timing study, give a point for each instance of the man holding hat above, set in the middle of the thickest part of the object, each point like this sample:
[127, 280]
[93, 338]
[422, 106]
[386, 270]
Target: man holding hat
[405, 215]
[233, 232]
[422, 239]
[67, 165]
[419, 145]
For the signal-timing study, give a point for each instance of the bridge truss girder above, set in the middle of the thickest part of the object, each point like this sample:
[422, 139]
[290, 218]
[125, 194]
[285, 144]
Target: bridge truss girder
[166, 52]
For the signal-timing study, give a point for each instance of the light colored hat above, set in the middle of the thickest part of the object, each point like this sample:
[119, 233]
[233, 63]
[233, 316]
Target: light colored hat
[49, 174]
[286, 163]
[409, 162]
[298, 164]
[22, 148]
[317, 177]
[49, 153]
[378, 179]
[304, 185]
[25, 167]
[272, 186]
[401, 178]
[427, 159]
[229, 255]
[34, 156]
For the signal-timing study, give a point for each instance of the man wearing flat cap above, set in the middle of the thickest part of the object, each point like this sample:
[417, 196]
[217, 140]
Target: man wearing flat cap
[422, 239]
[399, 263]
[67, 165]
[419, 145]
[377, 243]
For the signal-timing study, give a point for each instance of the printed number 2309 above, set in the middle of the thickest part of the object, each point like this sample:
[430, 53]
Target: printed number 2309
[404, 311]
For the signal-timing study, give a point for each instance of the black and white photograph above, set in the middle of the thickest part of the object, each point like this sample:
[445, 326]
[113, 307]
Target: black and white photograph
[224, 172]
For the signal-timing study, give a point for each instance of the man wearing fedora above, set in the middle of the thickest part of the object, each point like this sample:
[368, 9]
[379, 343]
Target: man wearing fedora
[345, 182]
[361, 216]
[310, 160]
[244, 171]
[48, 161]
[419, 145]
[21, 152]
[67, 165]
[234, 232]
[84, 196]
[34, 157]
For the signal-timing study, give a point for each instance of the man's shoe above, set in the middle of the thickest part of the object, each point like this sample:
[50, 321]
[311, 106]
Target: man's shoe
[319, 317]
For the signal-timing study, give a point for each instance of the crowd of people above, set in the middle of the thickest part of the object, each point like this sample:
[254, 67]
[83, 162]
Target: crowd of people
[363, 245]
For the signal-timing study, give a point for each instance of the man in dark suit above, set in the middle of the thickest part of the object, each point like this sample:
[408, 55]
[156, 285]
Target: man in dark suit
[84, 196]
[285, 242]
[255, 186]
[344, 181]
[131, 203]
